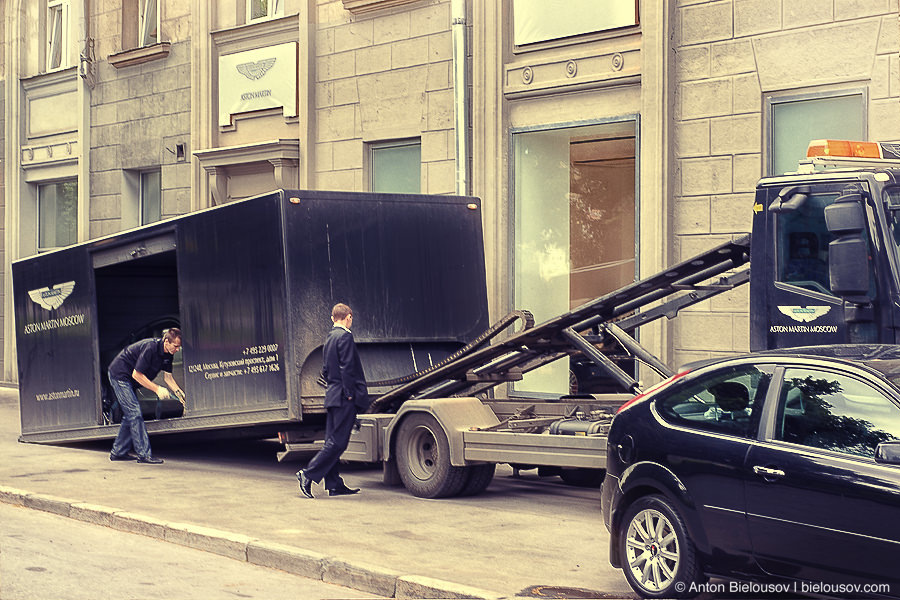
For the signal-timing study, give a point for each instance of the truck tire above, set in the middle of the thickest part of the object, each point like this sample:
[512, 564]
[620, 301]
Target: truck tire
[423, 458]
[659, 558]
[479, 477]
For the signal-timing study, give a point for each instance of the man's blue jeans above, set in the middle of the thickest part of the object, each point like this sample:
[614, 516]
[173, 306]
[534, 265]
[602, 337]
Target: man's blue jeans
[132, 432]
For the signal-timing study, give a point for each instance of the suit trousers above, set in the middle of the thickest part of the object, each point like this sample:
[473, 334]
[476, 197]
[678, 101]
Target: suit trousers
[326, 463]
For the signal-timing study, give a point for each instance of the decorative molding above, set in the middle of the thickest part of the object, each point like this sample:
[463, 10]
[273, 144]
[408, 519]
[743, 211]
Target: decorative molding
[551, 74]
[256, 35]
[53, 154]
[137, 56]
[363, 6]
[283, 155]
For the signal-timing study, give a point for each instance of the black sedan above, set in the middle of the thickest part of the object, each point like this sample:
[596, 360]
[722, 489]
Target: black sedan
[780, 470]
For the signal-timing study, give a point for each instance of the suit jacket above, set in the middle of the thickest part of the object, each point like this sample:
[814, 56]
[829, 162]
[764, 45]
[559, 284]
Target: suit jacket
[343, 370]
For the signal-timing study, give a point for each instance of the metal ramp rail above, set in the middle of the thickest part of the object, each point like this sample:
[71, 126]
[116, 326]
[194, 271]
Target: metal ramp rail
[612, 317]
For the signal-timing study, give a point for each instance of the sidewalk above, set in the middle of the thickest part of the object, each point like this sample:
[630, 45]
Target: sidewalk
[521, 536]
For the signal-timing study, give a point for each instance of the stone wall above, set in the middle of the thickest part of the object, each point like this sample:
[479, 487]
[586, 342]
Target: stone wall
[138, 115]
[729, 54]
[383, 76]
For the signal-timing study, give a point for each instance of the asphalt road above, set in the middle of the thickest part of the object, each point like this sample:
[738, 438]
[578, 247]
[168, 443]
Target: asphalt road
[523, 534]
[48, 556]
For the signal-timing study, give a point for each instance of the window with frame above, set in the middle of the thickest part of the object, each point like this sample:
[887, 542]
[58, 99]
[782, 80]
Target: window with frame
[260, 10]
[725, 402]
[148, 23]
[543, 20]
[836, 412]
[151, 197]
[794, 121]
[802, 240]
[575, 222]
[396, 167]
[57, 34]
[57, 214]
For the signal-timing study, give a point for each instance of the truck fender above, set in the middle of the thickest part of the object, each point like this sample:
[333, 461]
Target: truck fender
[455, 415]
[645, 478]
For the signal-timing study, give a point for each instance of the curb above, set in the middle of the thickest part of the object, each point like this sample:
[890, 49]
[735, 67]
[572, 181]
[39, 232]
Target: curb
[305, 563]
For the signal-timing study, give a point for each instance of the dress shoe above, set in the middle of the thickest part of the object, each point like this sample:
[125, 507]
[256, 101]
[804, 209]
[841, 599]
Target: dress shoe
[126, 456]
[343, 490]
[150, 460]
[305, 484]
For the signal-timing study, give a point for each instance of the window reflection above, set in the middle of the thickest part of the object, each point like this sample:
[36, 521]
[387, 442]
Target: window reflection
[835, 412]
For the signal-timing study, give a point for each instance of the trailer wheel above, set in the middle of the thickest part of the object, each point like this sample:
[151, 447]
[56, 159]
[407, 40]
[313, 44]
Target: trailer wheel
[423, 458]
[479, 477]
[583, 477]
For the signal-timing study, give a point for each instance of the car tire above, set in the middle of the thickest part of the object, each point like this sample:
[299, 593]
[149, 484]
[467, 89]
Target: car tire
[423, 458]
[658, 557]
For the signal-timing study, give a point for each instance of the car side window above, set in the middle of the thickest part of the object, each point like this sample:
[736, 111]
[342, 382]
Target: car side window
[724, 402]
[834, 412]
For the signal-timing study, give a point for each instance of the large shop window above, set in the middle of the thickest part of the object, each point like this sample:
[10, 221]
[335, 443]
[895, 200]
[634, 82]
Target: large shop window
[57, 34]
[57, 214]
[542, 20]
[396, 167]
[797, 120]
[574, 211]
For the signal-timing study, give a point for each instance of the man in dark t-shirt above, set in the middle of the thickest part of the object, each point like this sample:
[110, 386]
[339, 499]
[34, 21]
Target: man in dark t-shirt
[139, 364]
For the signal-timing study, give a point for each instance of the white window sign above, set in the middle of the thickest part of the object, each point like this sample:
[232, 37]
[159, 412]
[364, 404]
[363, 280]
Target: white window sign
[257, 80]
[542, 20]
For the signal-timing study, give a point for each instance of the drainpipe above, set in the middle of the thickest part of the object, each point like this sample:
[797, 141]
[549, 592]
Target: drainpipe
[460, 94]
[84, 85]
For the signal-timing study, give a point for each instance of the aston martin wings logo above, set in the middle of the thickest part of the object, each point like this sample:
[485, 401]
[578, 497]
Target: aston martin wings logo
[804, 314]
[256, 70]
[52, 298]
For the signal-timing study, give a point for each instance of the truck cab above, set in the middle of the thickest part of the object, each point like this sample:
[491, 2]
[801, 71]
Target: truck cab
[825, 249]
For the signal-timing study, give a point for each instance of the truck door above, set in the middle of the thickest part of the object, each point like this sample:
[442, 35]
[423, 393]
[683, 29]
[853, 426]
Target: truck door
[792, 299]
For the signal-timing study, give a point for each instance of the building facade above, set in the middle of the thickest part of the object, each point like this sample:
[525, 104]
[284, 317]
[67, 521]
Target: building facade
[604, 145]
[755, 81]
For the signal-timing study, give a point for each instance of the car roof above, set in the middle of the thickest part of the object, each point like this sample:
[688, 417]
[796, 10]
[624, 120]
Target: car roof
[884, 358]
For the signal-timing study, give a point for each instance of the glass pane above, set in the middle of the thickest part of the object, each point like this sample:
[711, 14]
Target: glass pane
[397, 169]
[258, 8]
[149, 33]
[541, 20]
[797, 123]
[724, 402]
[58, 214]
[835, 412]
[55, 19]
[151, 197]
[574, 224]
[802, 244]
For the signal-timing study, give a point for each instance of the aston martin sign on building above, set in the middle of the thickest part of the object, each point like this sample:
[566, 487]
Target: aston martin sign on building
[257, 80]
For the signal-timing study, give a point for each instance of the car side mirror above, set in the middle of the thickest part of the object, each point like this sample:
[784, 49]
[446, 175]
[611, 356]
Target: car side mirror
[888, 453]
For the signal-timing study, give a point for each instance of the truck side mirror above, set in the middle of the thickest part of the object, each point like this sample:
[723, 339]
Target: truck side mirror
[845, 216]
[848, 253]
[848, 260]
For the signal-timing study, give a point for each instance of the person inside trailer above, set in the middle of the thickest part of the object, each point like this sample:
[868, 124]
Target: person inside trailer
[138, 364]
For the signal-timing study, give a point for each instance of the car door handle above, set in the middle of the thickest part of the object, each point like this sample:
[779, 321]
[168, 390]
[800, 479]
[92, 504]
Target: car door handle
[768, 473]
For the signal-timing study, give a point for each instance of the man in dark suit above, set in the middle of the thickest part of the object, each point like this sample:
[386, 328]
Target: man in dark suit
[345, 395]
